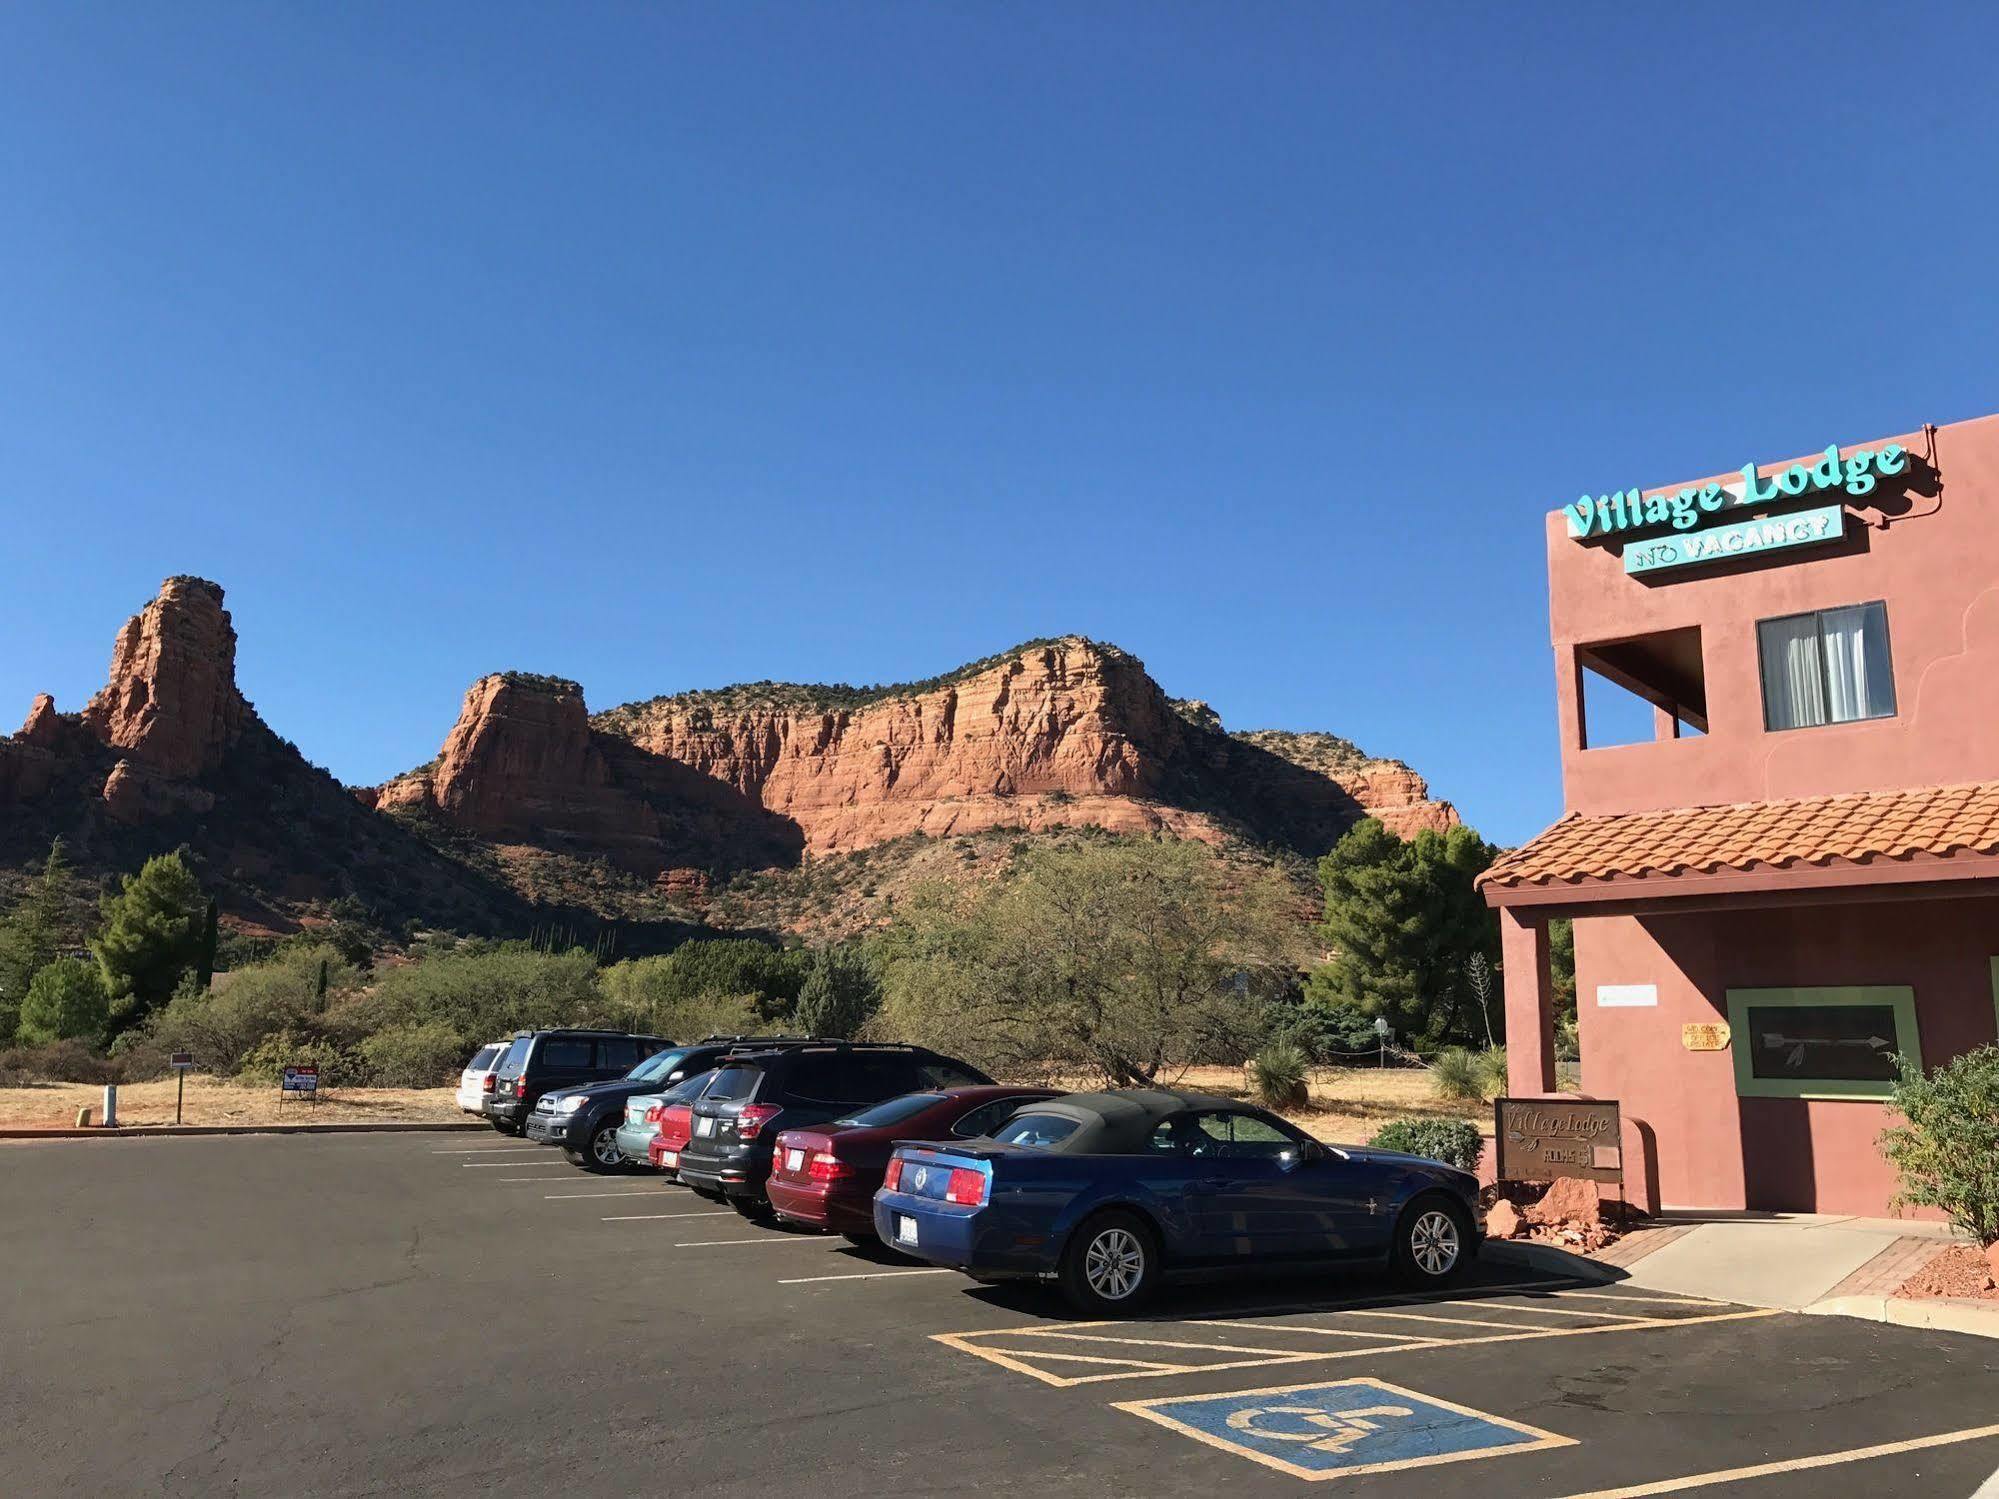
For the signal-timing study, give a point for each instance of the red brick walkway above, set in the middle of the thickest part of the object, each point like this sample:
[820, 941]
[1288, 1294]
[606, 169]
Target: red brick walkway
[1884, 1274]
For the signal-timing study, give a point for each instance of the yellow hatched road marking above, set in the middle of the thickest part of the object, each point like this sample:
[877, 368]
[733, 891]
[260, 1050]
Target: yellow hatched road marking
[1446, 1321]
[1791, 1465]
[1091, 1337]
[1134, 1363]
[1323, 1332]
[1014, 1358]
[1638, 1296]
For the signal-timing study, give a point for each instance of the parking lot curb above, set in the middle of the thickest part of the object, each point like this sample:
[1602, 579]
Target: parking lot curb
[1979, 1318]
[1549, 1260]
[141, 1131]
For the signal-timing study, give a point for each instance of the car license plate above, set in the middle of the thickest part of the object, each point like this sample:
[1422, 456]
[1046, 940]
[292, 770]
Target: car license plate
[704, 1126]
[794, 1160]
[670, 1159]
[905, 1229]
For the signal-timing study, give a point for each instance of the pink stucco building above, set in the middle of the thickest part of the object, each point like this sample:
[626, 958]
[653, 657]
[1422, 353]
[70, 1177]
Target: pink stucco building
[1796, 874]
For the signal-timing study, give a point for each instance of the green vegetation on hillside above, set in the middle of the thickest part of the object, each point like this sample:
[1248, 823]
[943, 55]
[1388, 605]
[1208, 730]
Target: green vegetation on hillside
[1328, 754]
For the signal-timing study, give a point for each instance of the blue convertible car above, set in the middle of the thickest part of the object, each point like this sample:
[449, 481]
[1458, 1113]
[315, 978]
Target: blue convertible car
[1108, 1192]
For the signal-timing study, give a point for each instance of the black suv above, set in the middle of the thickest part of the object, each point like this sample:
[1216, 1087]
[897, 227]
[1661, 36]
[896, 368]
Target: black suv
[584, 1119]
[538, 1062]
[754, 1095]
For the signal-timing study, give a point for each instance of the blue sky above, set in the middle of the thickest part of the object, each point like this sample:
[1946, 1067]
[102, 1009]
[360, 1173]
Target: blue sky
[670, 345]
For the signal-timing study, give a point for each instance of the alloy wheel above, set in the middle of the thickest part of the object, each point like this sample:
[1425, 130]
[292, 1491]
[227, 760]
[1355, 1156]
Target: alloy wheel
[1114, 1264]
[1433, 1243]
[605, 1147]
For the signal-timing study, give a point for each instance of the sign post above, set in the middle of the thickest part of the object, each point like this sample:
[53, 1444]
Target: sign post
[180, 1061]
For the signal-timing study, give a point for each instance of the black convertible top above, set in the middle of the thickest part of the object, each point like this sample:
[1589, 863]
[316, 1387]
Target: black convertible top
[1120, 1123]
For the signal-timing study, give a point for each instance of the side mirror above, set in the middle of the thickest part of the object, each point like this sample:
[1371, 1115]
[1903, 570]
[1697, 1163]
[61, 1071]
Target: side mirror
[1311, 1151]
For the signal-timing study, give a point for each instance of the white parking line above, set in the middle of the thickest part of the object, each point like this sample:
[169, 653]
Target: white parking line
[634, 1191]
[765, 1239]
[515, 1162]
[544, 1180]
[660, 1217]
[490, 1150]
[813, 1280]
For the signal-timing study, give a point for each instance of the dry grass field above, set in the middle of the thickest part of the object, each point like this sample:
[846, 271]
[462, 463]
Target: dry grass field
[213, 1101]
[1348, 1105]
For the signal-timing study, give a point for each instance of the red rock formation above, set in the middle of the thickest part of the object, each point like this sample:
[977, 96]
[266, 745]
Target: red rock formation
[523, 764]
[171, 704]
[1063, 733]
[44, 726]
[132, 793]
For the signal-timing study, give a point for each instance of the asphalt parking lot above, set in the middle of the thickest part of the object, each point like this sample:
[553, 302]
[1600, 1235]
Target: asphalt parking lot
[452, 1313]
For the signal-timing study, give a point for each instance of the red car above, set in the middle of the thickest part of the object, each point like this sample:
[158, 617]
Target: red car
[676, 1127]
[826, 1177]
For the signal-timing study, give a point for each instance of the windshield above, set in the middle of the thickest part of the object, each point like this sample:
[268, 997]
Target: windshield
[516, 1057]
[732, 1083]
[1035, 1129]
[893, 1112]
[659, 1066]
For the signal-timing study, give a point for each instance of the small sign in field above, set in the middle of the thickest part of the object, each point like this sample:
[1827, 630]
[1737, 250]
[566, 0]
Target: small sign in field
[1543, 1138]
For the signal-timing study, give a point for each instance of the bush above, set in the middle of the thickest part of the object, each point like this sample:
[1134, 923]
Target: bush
[266, 1064]
[223, 1026]
[65, 1001]
[1492, 1070]
[1452, 1141]
[1279, 1076]
[647, 993]
[411, 1056]
[839, 996]
[484, 995]
[1328, 1031]
[1947, 1153]
[57, 1062]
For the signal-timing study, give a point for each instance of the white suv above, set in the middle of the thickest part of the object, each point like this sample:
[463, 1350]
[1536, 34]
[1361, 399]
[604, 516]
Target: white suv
[475, 1083]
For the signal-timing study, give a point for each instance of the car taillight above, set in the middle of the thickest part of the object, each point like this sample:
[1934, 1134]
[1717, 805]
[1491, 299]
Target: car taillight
[966, 1186]
[893, 1180]
[750, 1123]
[828, 1168]
[520, 1087]
[652, 1114]
[487, 1082]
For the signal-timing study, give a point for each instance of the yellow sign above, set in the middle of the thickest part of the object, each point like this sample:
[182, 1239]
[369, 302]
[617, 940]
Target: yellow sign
[1706, 1037]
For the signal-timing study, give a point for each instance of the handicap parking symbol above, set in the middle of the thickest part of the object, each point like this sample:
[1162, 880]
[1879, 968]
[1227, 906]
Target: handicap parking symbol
[1349, 1426]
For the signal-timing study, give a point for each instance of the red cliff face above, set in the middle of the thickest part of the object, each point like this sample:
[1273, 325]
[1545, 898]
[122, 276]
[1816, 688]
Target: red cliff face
[1061, 733]
[171, 705]
[522, 764]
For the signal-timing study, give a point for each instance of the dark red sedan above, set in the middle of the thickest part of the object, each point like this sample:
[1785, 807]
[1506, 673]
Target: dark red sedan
[827, 1176]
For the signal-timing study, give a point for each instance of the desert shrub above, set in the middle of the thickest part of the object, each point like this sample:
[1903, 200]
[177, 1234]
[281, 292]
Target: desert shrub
[1947, 1150]
[424, 1055]
[706, 981]
[1469, 1076]
[1455, 1074]
[65, 1001]
[481, 995]
[223, 1026]
[1279, 1076]
[266, 1063]
[1452, 1141]
[56, 1062]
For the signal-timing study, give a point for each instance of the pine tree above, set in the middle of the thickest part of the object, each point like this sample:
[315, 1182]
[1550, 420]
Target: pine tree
[152, 934]
[32, 936]
[65, 1000]
[840, 994]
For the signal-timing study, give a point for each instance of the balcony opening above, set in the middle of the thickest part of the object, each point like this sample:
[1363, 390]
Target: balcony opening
[1640, 688]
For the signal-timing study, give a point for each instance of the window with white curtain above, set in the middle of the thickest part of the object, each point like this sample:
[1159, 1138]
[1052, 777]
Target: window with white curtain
[1830, 666]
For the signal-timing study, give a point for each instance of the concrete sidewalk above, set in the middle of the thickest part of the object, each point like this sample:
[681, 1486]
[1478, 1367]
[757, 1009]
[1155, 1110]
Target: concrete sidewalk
[1805, 1262]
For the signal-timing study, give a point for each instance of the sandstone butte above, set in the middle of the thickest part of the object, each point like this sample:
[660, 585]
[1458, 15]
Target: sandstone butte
[1061, 732]
[1058, 732]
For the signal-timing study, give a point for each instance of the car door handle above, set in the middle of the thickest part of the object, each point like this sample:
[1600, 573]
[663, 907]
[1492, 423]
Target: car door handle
[1207, 1184]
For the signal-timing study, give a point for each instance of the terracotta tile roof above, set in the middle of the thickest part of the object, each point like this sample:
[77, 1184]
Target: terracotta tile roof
[1929, 821]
